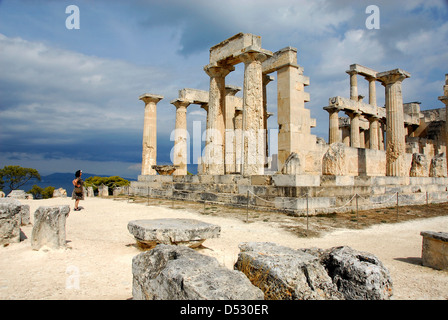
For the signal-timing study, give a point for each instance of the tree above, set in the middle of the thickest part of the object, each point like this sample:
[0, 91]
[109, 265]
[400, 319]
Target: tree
[110, 182]
[38, 192]
[15, 176]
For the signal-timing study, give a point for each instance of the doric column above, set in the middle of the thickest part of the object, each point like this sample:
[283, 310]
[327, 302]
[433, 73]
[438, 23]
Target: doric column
[374, 143]
[333, 131]
[355, 141]
[232, 103]
[253, 135]
[395, 136]
[213, 161]
[149, 150]
[238, 123]
[444, 99]
[372, 90]
[353, 84]
[380, 135]
[180, 149]
[266, 80]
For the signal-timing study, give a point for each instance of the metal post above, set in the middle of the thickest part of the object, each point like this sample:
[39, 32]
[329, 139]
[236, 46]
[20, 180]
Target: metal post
[307, 213]
[427, 198]
[247, 207]
[357, 216]
[147, 198]
[397, 205]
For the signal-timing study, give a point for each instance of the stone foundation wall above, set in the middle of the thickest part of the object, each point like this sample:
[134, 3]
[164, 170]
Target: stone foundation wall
[293, 193]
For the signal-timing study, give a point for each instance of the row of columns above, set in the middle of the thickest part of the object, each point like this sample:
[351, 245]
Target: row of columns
[253, 140]
[395, 130]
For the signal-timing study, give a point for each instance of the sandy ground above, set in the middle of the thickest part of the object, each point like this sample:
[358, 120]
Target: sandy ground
[97, 263]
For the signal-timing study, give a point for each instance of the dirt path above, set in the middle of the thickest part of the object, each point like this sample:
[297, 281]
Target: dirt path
[97, 263]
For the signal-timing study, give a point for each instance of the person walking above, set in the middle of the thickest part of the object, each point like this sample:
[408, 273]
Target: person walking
[78, 191]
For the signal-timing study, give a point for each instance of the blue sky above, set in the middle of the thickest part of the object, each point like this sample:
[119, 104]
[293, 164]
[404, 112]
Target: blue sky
[69, 98]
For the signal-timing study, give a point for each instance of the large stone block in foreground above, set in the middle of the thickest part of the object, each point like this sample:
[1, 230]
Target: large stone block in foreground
[187, 232]
[9, 223]
[285, 274]
[435, 249]
[180, 273]
[314, 274]
[49, 227]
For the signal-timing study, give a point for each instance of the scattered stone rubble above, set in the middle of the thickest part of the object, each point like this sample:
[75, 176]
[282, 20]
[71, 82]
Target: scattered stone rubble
[277, 272]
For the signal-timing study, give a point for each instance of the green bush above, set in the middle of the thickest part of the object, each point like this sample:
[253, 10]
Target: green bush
[110, 182]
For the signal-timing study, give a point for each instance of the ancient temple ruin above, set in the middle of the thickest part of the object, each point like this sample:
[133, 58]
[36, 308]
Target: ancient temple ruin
[371, 152]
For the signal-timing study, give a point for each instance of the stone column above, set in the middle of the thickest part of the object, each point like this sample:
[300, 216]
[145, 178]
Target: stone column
[374, 143]
[353, 84]
[149, 151]
[253, 114]
[232, 103]
[444, 99]
[266, 80]
[333, 132]
[355, 141]
[395, 136]
[214, 152]
[372, 90]
[238, 123]
[380, 135]
[180, 149]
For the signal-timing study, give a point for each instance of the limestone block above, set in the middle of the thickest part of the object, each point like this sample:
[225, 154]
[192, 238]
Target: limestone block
[435, 249]
[90, 192]
[358, 275]
[438, 167]
[17, 194]
[230, 48]
[59, 193]
[301, 203]
[9, 223]
[337, 180]
[179, 273]
[103, 191]
[24, 215]
[49, 227]
[334, 161]
[293, 165]
[295, 180]
[187, 232]
[419, 166]
[285, 274]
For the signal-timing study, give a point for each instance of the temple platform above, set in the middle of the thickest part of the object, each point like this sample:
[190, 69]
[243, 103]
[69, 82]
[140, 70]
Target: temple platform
[295, 194]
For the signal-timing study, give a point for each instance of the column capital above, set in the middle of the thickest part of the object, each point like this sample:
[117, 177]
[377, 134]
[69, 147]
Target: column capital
[392, 76]
[444, 99]
[254, 55]
[214, 70]
[180, 103]
[352, 72]
[148, 97]
[331, 109]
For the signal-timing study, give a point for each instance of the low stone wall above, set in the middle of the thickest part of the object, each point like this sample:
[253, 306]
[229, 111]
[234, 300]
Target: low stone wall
[294, 193]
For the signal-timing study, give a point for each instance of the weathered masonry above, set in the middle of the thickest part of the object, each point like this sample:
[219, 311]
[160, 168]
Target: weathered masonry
[375, 152]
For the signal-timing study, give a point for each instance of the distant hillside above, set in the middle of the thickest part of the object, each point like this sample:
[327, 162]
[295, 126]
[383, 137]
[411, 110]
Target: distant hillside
[58, 180]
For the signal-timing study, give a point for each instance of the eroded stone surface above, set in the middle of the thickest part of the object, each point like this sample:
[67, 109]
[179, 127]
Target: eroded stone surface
[189, 232]
[179, 273]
